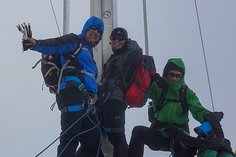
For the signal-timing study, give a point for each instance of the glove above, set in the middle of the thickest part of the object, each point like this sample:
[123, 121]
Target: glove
[28, 44]
[25, 29]
[161, 81]
[214, 118]
[29, 32]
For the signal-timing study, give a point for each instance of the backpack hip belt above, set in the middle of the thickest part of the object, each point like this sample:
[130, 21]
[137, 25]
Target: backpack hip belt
[78, 82]
[74, 108]
[68, 79]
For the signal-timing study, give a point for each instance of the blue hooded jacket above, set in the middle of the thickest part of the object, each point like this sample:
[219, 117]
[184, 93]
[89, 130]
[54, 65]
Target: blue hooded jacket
[67, 44]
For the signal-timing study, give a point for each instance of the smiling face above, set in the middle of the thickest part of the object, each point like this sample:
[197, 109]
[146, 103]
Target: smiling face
[92, 36]
[118, 37]
[117, 43]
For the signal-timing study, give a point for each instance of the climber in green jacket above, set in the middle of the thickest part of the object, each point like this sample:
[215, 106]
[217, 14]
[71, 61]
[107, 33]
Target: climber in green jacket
[169, 117]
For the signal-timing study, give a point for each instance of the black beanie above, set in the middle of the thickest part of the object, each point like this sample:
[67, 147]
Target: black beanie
[119, 33]
[171, 66]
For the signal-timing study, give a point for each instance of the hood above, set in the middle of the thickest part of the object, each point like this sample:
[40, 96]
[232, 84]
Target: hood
[93, 21]
[174, 64]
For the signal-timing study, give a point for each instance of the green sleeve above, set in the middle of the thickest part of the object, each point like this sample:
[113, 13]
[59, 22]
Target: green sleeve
[195, 106]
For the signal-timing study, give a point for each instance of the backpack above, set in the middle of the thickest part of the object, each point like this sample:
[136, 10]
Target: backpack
[138, 91]
[182, 99]
[51, 69]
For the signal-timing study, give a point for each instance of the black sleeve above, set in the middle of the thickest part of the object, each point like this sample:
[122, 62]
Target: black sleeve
[132, 59]
[65, 39]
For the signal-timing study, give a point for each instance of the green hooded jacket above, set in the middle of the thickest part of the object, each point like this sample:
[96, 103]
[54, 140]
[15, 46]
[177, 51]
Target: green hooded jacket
[172, 111]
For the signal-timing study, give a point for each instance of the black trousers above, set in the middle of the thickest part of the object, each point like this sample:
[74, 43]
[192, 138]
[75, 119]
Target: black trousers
[142, 135]
[79, 127]
[113, 120]
[84, 132]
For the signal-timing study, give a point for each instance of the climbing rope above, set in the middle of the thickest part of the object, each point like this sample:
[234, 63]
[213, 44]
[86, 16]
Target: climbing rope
[204, 54]
[54, 14]
[89, 110]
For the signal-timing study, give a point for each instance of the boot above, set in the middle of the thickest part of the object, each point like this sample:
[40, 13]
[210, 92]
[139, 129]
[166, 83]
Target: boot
[221, 144]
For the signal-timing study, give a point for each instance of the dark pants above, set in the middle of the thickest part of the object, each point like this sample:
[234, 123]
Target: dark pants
[83, 129]
[113, 120]
[154, 140]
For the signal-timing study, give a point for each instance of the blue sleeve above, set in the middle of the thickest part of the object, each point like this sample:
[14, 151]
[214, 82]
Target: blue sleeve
[61, 45]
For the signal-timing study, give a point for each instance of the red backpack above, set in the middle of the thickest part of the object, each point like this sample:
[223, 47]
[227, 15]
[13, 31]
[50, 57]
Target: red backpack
[138, 91]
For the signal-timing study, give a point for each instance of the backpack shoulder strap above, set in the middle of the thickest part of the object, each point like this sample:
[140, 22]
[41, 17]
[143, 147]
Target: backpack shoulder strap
[77, 51]
[183, 98]
[161, 101]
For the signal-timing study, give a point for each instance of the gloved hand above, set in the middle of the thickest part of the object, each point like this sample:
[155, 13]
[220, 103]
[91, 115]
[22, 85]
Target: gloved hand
[28, 43]
[161, 81]
[25, 29]
[214, 118]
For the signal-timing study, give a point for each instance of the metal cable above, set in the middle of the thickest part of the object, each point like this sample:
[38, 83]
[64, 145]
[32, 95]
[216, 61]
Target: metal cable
[54, 14]
[204, 54]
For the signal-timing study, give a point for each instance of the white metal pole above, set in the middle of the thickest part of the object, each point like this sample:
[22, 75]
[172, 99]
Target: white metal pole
[114, 11]
[107, 11]
[66, 16]
[145, 27]
[96, 10]
[108, 19]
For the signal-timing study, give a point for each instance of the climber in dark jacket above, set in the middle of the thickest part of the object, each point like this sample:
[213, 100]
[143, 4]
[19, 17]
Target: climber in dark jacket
[78, 121]
[117, 73]
[169, 130]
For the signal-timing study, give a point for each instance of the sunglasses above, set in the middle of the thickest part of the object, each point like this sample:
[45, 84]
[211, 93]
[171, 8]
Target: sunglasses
[177, 75]
[117, 38]
[93, 27]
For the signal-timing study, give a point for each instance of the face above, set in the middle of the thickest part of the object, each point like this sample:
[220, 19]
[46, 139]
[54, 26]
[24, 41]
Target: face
[117, 43]
[174, 76]
[92, 36]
